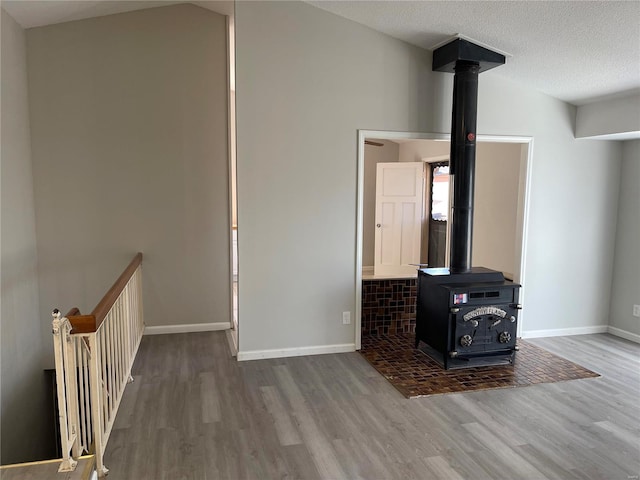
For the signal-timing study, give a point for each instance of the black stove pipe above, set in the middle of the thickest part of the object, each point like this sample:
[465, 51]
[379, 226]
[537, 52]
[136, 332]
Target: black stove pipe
[465, 60]
[462, 162]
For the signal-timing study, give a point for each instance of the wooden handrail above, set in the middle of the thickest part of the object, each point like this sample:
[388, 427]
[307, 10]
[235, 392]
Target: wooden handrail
[80, 323]
[114, 292]
[83, 324]
[91, 323]
[73, 312]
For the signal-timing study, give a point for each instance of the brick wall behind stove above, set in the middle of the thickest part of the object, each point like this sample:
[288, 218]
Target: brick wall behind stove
[388, 306]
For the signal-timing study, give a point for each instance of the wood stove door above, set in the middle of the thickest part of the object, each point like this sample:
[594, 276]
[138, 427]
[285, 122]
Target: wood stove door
[485, 329]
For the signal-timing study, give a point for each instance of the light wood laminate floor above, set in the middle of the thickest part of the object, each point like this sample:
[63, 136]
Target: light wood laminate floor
[194, 412]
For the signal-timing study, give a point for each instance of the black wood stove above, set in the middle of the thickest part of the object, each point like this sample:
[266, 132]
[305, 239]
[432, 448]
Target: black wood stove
[467, 316]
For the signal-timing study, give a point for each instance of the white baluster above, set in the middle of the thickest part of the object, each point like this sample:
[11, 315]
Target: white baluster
[71, 388]
[60, 333]
[97, 400]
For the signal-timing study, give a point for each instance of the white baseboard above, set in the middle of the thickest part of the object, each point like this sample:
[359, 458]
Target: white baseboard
[296, 352]
[562, 332]
[618, 332]
[188, 328]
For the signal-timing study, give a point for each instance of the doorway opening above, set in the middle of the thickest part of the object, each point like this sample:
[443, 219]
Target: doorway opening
[438, 213]
[503, 167]
[233, 195]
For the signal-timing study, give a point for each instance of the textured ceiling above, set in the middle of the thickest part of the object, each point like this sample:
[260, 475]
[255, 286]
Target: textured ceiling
[578, 51]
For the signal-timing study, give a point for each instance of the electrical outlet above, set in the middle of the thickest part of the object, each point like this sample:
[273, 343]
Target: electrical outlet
[636, 310]
[346, 318]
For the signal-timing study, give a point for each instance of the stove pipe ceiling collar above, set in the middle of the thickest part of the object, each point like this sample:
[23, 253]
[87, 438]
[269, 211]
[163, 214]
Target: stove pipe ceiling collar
[465, 60]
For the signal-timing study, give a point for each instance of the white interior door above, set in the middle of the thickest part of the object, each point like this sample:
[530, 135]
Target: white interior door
[399, 201]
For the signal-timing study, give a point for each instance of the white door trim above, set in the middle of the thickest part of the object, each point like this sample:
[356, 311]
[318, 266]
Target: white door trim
[362, 134]
[234, 326]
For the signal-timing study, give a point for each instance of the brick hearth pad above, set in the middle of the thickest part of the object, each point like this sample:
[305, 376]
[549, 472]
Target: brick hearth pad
[415, 374]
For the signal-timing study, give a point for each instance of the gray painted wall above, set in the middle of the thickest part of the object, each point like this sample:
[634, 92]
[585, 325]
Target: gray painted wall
[129, 135]
[613, 116]
[305, 76]
[306, 81]
[625, 289]
[25, 426]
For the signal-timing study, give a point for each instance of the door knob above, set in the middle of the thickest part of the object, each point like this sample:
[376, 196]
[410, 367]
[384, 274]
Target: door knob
[378, 225]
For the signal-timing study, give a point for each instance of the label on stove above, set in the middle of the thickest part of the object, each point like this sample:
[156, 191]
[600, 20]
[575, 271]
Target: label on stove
[459, 298]
[484, 311]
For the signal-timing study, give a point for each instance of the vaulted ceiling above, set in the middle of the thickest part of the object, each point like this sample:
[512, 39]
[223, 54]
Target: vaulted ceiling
[577, 51]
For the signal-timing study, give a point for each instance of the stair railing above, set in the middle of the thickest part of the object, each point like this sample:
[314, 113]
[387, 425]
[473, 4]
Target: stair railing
[94, 355]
